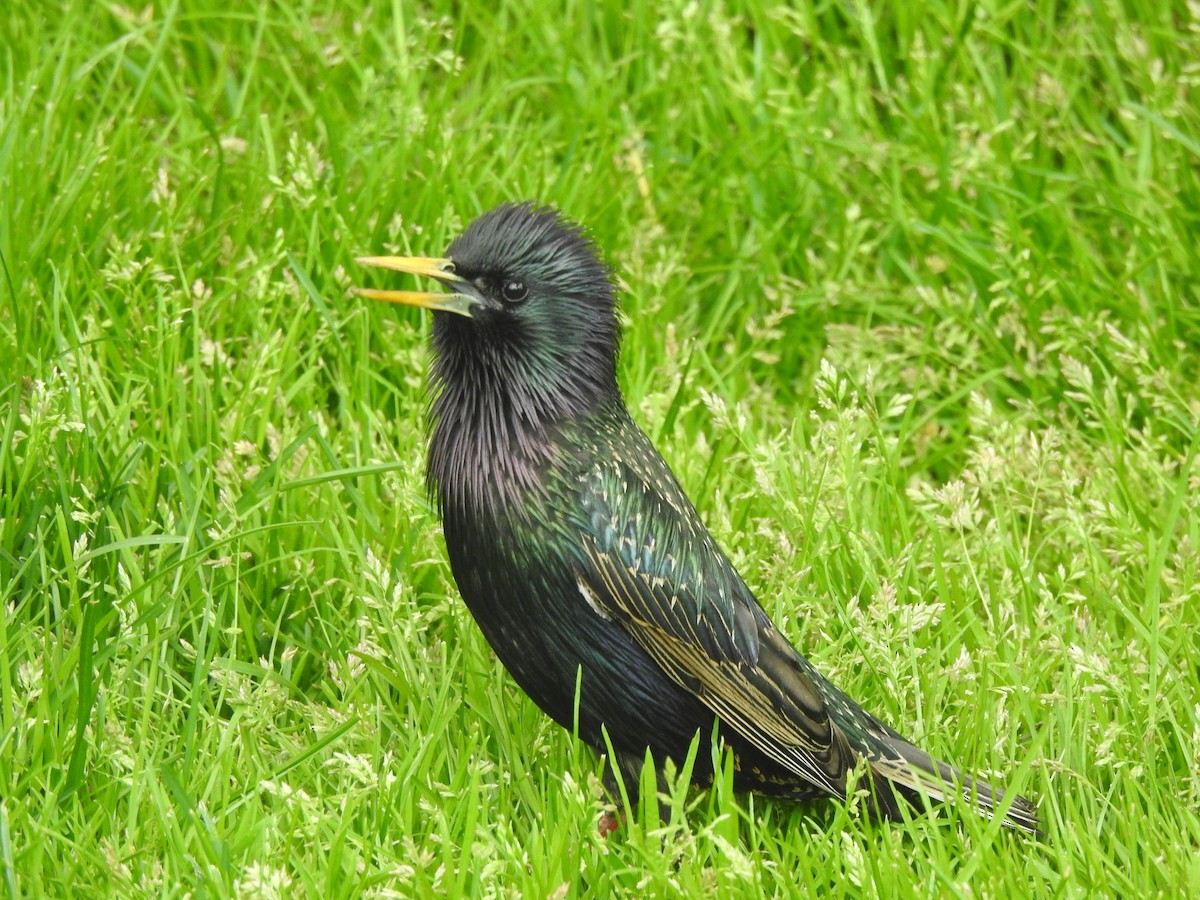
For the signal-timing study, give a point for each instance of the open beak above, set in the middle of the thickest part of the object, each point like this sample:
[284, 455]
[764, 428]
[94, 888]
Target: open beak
[441, 269]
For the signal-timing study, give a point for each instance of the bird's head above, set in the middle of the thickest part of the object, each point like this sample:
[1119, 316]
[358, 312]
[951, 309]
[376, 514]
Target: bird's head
[530, 317]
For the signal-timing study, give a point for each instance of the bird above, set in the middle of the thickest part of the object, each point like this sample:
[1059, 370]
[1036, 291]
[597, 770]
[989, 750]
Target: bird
[585, 564]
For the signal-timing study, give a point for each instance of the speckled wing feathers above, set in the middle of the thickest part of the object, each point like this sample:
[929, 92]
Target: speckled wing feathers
[684, 604]
[650, 565]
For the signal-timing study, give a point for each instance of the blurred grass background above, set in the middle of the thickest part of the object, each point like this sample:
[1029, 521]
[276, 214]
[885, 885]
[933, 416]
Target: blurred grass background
[912, 308]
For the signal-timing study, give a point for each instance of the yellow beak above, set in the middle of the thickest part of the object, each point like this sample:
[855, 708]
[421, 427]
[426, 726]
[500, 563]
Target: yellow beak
[441, 269]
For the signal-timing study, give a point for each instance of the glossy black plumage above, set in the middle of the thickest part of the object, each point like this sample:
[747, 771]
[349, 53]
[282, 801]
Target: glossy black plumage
[583, 561]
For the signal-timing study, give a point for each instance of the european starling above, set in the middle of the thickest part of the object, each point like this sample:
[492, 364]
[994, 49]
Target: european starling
[583, 561]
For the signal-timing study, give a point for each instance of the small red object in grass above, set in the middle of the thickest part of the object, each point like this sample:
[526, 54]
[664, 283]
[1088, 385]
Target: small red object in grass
[608, 824]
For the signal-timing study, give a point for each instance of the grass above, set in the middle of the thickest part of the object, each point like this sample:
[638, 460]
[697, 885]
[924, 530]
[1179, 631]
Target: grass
[912, 309]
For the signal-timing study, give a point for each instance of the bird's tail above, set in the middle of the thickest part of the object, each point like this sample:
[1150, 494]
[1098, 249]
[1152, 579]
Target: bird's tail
[912, 772]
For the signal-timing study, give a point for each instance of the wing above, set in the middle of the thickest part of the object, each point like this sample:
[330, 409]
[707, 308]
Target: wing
[649, 564]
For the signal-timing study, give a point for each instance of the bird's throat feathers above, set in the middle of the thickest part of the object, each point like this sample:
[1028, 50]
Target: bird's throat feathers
[499, 395]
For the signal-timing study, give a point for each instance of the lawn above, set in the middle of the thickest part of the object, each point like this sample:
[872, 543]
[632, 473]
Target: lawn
[912, 306]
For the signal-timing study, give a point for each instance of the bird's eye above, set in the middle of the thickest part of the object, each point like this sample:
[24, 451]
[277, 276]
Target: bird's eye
[514, 291]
